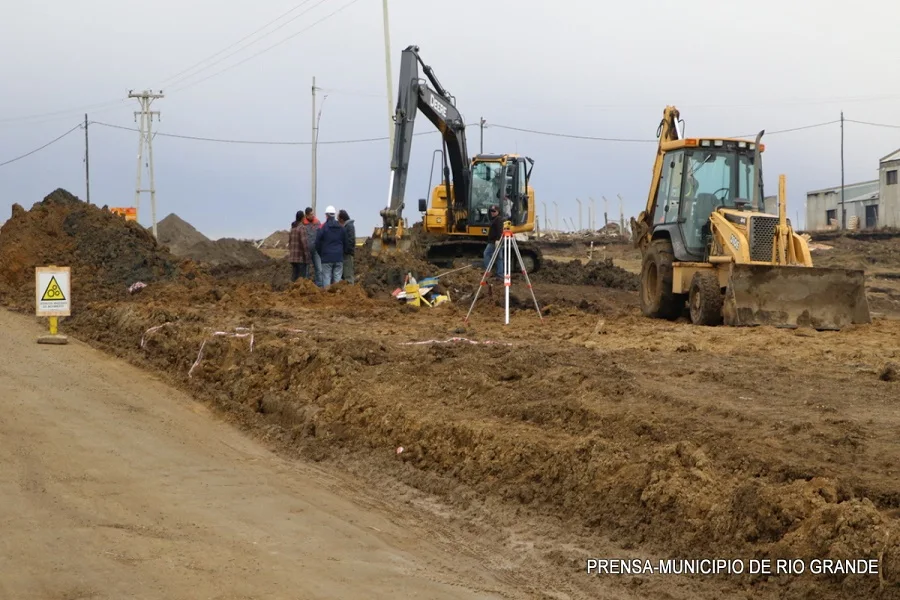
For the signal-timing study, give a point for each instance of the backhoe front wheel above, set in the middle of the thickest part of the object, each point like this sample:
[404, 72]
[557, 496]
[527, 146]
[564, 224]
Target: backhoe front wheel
[657, 299]
[705, 299]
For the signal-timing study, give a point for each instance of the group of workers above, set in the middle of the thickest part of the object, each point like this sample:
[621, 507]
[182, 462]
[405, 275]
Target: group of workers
[322, 252]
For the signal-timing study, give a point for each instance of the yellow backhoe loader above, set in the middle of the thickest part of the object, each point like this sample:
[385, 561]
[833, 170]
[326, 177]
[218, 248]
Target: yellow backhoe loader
[731, 263]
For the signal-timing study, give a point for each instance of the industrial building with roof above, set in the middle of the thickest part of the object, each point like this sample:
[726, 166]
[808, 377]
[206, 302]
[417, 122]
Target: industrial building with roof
[871, 204]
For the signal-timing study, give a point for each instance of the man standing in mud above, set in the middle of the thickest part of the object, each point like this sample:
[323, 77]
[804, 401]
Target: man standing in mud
[311, 223]
[495, 234]
[299, 248]
[345, 220]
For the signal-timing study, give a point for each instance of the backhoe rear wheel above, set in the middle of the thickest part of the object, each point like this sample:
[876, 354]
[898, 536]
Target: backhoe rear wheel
[706, 299]
[657, 299]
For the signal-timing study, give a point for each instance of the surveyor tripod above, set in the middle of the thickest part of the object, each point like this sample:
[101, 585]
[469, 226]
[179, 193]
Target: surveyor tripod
[507, 245]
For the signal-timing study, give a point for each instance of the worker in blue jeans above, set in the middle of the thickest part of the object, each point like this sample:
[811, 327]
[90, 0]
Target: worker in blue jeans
[332, 244]
[495, 234]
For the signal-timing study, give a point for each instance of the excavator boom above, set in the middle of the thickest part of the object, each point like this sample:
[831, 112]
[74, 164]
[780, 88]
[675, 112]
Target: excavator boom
[438, 106]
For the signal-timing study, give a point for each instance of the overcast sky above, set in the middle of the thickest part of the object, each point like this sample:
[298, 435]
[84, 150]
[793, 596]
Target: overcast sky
[602, 69]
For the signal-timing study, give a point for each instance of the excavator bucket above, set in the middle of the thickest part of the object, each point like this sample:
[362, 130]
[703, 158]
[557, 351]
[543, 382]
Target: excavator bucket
[795, 296]
[384, 245]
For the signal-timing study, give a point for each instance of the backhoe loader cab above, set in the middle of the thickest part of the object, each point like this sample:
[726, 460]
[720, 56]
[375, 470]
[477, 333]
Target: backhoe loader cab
[700, 177]
[704, 241]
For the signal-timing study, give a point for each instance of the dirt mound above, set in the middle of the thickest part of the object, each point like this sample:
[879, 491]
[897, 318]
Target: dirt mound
[860, 252]
[106, 253]
[276, 274]
[178, 234]
[387, 272]
[604, 274]
[226, 251]
[278, 239]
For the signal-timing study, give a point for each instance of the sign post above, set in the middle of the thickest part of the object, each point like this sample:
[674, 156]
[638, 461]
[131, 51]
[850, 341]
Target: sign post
[53, 299]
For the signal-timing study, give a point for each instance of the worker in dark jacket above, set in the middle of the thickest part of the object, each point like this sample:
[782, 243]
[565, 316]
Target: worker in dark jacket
[495, 234]
[331, 242]
[299, 249]
[345, 220]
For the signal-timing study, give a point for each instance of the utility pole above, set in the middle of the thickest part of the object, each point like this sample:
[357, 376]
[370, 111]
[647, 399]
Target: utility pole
[481, 151]
[87, 165]
[389, 78]
[605, 211]
[843, 213]
[146, 98]
[556, 215]
[593, 214]
[579, 213]
[621, 214]
[315, 138]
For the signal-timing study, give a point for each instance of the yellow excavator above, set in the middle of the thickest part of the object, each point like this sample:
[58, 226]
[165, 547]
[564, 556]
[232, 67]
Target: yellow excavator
[731, 263]
[457, 223]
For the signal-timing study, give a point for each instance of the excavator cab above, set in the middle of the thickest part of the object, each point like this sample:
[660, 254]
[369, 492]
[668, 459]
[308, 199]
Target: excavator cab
[706, 240]
[496, 179]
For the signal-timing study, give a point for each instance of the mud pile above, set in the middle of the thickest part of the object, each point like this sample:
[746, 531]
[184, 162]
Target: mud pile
[385, 273]
[178, 234]
[226, 251]
[278, 239]
[274, 274]
[605, 274]
[541, 425]
[860, 251]
[106, 253]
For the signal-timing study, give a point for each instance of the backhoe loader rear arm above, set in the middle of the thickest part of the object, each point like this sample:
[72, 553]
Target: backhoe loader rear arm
[438, 107]
[668, 131]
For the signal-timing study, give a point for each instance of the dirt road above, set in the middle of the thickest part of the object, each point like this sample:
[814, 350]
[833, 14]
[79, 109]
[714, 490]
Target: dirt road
[113, 485]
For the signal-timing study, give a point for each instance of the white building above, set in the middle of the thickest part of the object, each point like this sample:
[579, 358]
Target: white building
[890, 191]
[867, 204]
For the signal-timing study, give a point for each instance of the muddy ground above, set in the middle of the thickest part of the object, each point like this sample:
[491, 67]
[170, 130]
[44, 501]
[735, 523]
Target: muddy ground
[583, 431]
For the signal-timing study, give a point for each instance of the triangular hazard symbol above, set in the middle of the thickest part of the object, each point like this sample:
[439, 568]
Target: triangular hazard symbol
[53, 291]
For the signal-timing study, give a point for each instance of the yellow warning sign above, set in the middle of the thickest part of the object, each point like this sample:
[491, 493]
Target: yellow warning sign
[53, 292]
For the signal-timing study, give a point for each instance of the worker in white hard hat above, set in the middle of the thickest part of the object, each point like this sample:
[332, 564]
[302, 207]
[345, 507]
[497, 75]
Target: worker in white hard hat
[331, 244]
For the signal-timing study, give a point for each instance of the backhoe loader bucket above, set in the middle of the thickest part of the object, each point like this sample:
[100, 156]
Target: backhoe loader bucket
[794, 296]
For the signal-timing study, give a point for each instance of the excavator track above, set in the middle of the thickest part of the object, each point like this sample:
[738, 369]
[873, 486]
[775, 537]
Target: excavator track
[443, 253]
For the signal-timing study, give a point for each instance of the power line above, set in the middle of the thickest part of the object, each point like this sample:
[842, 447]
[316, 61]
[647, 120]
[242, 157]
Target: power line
[260, 142]
[81, 109]
[768, 133]
[266, 49]
[79, 126]
[272, 22]
[567, 135]
[378, 139]
[653, 141]
[872, 124]
[227, 56]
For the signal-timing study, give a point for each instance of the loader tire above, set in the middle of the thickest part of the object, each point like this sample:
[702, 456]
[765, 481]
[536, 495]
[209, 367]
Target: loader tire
[706, 299]
[657, 299]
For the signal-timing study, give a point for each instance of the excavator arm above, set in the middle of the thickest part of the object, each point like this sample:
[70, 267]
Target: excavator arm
[668, 131]
[438, 106]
